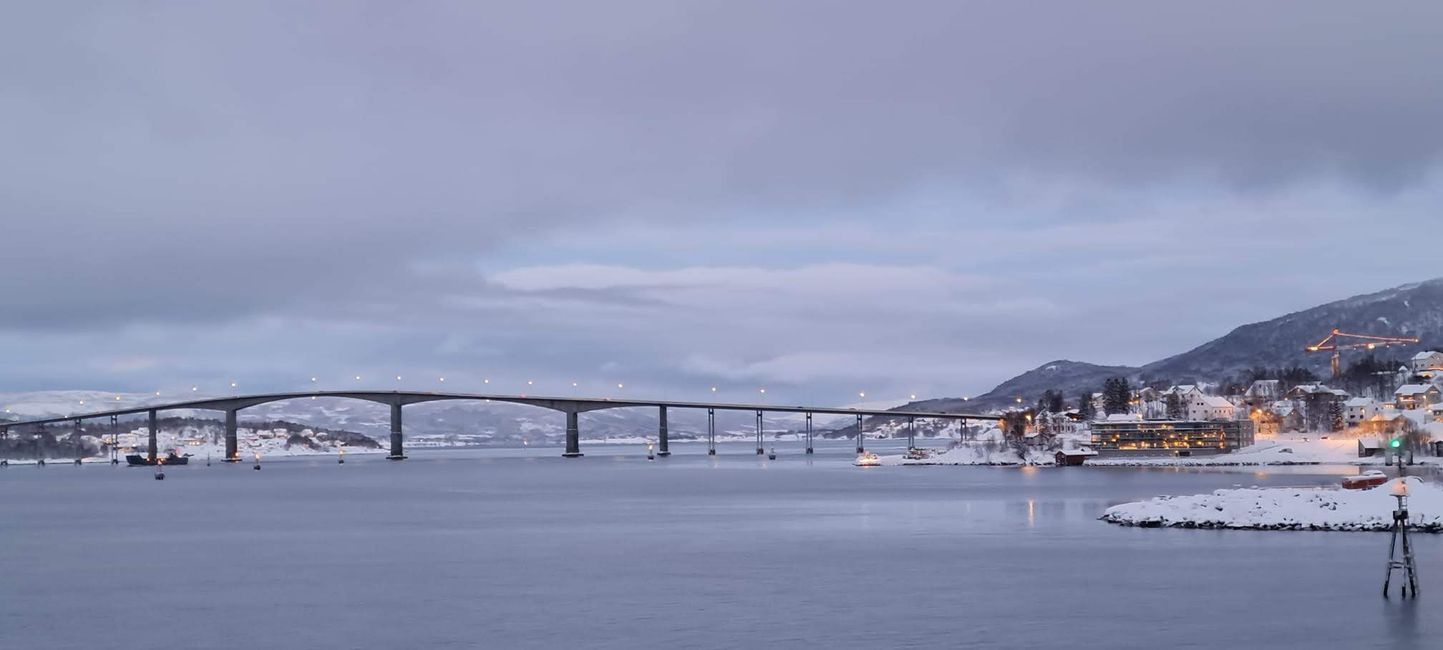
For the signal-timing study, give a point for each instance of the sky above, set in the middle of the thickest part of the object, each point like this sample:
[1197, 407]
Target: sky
[818, 199]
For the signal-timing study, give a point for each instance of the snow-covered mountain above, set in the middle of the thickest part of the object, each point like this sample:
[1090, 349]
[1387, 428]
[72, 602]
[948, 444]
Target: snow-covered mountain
[1410, 310]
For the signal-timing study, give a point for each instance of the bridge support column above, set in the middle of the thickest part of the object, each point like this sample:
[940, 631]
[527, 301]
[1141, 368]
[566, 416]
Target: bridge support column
[573, 436]
[232, 448]
[911, 432]
[114, 440]
[151, 448]
[860, 447]
[809, 433]
[759, 433]
[79, 444]
[711, 432]
[397, 452]
[662, 448]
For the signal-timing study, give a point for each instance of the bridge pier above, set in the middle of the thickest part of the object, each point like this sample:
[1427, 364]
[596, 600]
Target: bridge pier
[911, 432]
[860, 447]
[232, 448]
[711, 432]
[759, 433]
[573, 436]
[114, 440]
[397, 452]
[151, 448]
[661, 435]
[79, 444]
[809, 433]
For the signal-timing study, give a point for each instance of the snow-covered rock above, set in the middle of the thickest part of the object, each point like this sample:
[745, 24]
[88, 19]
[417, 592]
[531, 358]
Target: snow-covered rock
[1287, 509]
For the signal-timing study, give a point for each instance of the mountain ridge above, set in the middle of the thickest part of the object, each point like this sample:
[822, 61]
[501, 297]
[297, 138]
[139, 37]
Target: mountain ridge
[1413, 309]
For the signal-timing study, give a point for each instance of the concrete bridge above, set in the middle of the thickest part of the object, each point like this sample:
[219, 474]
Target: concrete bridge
[571, 406]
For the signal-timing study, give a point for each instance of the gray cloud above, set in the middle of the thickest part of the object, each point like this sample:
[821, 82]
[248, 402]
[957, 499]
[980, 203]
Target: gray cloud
[275, 188]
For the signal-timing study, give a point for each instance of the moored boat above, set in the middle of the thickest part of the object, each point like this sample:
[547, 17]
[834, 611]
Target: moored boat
[867, 459]
[138, 460]
[1370, 478]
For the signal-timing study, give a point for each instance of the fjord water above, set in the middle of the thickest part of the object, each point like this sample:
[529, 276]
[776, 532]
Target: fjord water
[521, 548]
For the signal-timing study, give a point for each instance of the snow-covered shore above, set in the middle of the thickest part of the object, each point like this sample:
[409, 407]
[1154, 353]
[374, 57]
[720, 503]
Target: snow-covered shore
[1291, 450]
[1287, 509]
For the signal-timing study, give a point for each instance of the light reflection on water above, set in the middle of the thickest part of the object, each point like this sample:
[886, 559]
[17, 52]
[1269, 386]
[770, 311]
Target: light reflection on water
[520, 548]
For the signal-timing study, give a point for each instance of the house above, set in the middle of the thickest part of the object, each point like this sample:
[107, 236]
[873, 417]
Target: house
[1358, 409]
[1426, 363]
[1410, 397]
[1197, 406]
[1206, 408]
[1262, 391]
[1289, 416]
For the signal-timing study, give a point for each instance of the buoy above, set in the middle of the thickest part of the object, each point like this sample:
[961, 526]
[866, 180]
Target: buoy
[773, 455]
[159, 475]
[342, 459]
[650, 455]
[258, 463]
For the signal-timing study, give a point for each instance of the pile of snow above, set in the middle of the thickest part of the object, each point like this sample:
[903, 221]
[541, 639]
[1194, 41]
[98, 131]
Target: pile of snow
[1287, 509]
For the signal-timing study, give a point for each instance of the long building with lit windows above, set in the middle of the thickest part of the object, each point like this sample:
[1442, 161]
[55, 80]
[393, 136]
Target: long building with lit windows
[1170, 437]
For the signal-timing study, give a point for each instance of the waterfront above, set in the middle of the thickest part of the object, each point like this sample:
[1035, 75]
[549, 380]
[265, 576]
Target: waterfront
[520, 548]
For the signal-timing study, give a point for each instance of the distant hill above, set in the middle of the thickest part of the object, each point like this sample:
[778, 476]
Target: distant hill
[1409, 310]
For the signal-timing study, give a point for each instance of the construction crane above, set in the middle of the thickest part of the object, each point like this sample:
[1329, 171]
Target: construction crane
[1333, 343]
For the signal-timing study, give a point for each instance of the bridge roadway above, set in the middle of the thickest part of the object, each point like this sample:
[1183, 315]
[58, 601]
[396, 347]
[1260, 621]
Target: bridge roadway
[571, 406]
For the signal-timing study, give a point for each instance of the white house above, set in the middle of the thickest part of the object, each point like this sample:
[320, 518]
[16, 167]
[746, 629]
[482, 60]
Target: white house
[1416, 396]
[1210, 407]
[1358, 409]
[1427, 363]
[1263, 391]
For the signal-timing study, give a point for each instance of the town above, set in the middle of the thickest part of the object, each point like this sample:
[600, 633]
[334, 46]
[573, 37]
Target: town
[1372, 403]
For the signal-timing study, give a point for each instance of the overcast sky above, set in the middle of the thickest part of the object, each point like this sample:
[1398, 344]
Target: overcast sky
[818, 198]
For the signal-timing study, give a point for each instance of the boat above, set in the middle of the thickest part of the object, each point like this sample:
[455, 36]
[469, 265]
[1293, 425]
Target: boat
[138, 460]
[868, 459]
[1368, 479]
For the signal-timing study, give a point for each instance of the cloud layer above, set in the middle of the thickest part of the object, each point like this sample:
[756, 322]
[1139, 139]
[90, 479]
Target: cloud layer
[819, 197]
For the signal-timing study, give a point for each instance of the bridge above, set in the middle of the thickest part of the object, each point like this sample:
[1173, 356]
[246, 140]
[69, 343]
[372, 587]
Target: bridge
[571, 406]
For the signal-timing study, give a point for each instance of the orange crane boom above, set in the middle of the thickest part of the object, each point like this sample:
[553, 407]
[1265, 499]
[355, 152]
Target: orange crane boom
[1332, 343]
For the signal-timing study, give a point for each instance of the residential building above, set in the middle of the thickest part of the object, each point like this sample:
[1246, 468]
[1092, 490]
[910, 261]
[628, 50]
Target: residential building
[1410, 397]
[1427, 363]
[1176, 437]
[1358, 409]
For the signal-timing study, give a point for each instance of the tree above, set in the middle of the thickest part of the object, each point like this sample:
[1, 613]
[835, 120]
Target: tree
[1116, 395]
[1085, 409]
[1175, 410]
[1335, 415]
[1051, 402]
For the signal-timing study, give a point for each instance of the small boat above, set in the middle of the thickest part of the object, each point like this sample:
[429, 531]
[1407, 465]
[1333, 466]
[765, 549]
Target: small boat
[135, 460]
[1370, 478]
[868, 459]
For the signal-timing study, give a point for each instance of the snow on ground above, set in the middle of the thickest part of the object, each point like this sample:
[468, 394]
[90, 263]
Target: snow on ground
[1287, 509]
[1285, 449]
[987, 448]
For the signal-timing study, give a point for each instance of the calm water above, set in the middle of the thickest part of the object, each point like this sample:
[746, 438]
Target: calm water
[520, 548]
